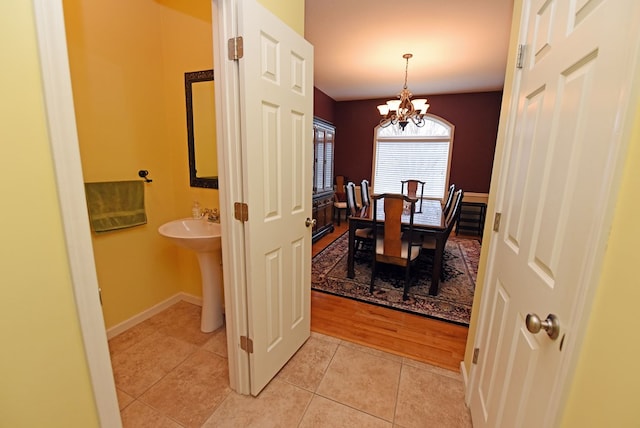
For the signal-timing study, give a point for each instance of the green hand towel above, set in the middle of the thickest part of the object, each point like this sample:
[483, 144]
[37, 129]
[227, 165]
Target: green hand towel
[115, 205]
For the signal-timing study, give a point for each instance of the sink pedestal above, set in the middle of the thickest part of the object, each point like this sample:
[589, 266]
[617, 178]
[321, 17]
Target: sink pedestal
[210, 268]
[204, 238]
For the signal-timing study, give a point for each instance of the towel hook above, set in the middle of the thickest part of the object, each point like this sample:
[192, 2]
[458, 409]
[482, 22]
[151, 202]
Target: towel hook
[143, 173]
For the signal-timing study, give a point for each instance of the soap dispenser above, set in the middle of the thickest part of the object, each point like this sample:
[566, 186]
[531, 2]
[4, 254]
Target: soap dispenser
[195, 211]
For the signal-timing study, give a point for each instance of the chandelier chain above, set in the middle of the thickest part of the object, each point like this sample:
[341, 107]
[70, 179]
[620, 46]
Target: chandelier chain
[406, 56]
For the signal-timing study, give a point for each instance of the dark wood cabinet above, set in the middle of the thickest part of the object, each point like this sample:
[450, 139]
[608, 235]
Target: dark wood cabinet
[323, 149]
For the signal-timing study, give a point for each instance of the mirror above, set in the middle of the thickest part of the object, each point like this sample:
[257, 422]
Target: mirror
[201, 129]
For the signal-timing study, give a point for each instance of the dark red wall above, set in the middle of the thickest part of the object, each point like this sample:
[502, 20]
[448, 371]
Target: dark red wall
[474, 115]
[323, 105]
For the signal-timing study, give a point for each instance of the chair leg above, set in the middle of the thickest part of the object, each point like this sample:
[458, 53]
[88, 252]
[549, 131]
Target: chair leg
[407, 281]
[373, 275]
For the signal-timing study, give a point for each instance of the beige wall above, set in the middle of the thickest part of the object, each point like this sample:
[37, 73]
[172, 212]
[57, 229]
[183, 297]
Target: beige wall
[45, 380]
[606, 387]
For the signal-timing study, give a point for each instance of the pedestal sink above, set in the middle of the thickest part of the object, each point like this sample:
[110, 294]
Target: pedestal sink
[204, 238]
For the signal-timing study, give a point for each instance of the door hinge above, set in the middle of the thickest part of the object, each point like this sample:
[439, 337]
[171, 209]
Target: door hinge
[246, 344]
[520, 57]
[235, 48]
[496, 222]
[476, 352]
[100, 295]
[241, 211]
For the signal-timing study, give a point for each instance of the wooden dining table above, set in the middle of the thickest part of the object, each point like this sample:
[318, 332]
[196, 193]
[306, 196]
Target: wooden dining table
[428, 218]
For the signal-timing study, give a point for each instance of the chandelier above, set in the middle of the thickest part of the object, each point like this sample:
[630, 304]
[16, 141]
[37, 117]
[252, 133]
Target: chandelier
[404, 109]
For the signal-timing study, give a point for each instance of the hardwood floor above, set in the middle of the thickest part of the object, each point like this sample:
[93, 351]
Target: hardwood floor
[431, 341]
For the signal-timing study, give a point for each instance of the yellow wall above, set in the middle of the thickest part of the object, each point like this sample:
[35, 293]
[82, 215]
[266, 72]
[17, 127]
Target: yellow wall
[606, 387]
[128, 61]
[44, 380]
[289, 11]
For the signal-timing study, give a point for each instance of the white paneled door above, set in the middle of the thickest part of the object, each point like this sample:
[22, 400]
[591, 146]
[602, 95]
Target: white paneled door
[276, 100]
[556, 190]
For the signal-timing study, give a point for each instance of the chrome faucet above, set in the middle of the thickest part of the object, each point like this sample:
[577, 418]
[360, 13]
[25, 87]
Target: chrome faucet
[211, 215]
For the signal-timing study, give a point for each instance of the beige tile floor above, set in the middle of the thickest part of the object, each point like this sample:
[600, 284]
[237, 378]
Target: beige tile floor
[170, 374]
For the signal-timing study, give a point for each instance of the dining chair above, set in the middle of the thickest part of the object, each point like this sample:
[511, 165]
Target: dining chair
[350, 194]
[340, 181]
[362, 235]
[447, 204]
[429, 240]
[412, 189]
[339, 206]
[365, 194]
[339, 198]
[394, 242]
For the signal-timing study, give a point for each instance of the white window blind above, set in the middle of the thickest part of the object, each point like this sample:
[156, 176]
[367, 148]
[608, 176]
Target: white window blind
[328, 179]
[414, 156]
[320, 160]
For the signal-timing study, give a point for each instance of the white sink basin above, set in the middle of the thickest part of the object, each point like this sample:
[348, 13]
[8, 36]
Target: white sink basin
[194, 234]
[204, 238]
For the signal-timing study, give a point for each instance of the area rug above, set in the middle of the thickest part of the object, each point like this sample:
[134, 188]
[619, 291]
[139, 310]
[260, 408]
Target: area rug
[454, 299]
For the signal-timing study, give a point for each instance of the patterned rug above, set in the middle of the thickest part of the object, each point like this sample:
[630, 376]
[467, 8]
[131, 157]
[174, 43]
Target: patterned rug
[454, 299]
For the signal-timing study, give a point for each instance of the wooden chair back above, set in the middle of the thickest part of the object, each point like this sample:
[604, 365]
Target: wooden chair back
[340, 182]
[365, 194]
[391, 250]
[447, 204]
[411, 187]
[350, 190]
[454, 212]
[397, 245]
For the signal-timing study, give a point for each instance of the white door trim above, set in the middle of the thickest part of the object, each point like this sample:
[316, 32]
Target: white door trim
[56, 80]
[225, 19]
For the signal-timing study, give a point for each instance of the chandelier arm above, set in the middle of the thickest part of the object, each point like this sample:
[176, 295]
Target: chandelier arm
[418, 120]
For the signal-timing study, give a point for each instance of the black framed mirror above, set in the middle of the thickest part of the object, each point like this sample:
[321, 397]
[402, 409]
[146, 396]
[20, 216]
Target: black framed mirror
[201, 129]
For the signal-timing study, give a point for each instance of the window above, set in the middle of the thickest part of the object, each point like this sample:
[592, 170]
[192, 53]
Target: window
[415, 153]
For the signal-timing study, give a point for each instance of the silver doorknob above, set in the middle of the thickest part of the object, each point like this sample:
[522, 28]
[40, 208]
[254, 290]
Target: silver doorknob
[551, 325]
[310, 222]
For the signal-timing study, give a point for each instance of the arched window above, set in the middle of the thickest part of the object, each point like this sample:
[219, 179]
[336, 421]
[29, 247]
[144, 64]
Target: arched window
[416, 153]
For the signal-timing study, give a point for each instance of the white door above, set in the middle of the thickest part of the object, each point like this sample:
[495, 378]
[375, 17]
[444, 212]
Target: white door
[556, 188]
[276, 122]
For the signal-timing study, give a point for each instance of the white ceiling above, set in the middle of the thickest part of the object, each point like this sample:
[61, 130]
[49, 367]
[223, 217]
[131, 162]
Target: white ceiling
[457, 45]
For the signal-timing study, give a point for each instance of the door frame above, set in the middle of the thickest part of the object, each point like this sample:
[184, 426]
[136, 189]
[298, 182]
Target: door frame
[65, 150]
[225, 20]
[584, 298]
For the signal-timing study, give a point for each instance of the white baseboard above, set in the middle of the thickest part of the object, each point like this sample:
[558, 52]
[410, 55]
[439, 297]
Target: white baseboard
[148, 313]
[463, 371]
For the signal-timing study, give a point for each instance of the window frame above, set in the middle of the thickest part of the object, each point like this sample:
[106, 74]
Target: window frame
[413, 134]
